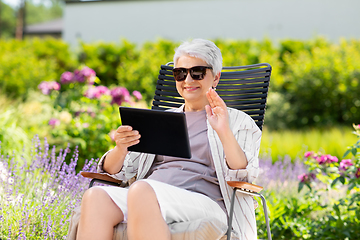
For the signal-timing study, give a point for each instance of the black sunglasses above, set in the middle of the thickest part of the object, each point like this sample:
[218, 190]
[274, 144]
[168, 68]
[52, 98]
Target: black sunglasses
[197, 73]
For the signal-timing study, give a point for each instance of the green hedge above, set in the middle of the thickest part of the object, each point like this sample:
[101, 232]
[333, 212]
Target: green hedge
[24, 64]
[314, 82]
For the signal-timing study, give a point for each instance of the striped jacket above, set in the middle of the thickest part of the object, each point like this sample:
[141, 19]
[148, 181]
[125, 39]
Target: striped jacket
[248, 136]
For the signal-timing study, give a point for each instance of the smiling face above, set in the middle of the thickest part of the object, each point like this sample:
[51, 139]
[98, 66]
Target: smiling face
[194, 91]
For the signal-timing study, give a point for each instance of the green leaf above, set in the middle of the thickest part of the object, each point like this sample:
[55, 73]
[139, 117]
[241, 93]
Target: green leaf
[346, 153]
[301, 185]
[353, 151]
[342, 179]
[334, 182]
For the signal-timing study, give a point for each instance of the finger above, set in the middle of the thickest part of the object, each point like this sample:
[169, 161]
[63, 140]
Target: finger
[209, 112]
[127, 140]
[133, 143]
[209, 97]
[216, 99]
[126, 134]
[124, 128]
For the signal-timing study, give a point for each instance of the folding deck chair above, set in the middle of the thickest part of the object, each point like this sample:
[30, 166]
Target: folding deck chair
[244, 88]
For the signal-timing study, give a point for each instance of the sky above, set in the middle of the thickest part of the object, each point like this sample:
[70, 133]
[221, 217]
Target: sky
[16, 3]
[12, 3]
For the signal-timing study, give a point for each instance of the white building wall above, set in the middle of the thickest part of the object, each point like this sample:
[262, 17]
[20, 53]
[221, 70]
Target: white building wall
[140, 21]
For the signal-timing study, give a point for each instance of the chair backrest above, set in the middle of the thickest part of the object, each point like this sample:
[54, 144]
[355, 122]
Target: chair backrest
[243, 87]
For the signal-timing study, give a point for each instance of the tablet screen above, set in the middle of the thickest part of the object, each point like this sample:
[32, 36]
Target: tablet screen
[162, 132]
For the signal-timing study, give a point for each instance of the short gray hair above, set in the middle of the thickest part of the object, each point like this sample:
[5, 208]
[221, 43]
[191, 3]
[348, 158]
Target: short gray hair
[203, 49]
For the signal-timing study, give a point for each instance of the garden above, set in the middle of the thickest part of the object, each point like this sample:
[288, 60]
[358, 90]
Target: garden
[59, 109]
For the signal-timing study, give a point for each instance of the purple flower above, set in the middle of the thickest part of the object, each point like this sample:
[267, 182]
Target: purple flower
[89, 74]
[305, 178]
[85, 74]
[326, 159]
[120, 95]
[46, 87]
[54, 122]
[78, 77]
[97, 92]
[344, 164]
[66, 78]
[137, 95]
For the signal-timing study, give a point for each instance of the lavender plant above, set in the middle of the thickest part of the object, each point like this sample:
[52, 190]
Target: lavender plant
[37, 196]
[281, 175]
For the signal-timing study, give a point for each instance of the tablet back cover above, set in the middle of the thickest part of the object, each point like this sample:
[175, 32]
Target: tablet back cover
[162, 132]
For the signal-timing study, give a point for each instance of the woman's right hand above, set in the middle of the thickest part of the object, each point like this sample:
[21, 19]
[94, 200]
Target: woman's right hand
[125, 137]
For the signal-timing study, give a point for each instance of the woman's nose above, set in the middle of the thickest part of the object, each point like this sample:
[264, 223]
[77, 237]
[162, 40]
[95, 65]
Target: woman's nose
[188, 78]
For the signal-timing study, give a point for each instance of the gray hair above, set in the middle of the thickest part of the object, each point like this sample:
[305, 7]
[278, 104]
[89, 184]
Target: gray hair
[203, 49]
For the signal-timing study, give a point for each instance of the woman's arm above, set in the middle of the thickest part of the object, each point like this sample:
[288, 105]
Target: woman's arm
[218, 117]
[124, 137]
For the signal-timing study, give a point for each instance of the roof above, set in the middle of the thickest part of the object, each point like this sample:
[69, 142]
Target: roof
[53, 26]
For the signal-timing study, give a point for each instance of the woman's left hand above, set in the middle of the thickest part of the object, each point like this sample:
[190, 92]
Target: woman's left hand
[217, 112]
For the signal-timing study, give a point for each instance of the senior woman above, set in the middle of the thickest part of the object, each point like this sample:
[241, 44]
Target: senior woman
[224, 143]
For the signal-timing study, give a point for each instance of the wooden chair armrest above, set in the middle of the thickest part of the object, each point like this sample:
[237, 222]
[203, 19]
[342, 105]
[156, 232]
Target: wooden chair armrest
[100, 176]
[245, 185]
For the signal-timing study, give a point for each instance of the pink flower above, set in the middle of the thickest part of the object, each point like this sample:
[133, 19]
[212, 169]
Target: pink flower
[137, 95]
[306, 177]
[78, 77]
[85, 74]
[102, 90]
[97, 92]
[120, 95]
[66, 78]
[55, 85]
[326, 159]
[309, 154]
[47, 87]
[344, 164]
[54, 122]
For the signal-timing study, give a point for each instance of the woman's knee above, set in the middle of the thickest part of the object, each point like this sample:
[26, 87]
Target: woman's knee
[97, 202]
[97, 198]
[140, 191]
[93, 196]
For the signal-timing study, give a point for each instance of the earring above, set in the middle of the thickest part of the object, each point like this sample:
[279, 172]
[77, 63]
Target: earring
[213, 87]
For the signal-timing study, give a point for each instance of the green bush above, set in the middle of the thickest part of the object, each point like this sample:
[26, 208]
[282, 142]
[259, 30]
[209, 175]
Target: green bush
[105, 58]
[13, 137]
[24, 64]
[322, 85]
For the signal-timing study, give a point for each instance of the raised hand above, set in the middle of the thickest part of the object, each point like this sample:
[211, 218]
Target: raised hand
[217, 113]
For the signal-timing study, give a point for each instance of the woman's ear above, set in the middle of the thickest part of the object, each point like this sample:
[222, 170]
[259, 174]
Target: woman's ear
[216, 80]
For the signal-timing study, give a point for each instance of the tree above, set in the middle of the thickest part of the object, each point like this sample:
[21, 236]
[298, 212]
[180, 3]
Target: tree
[43, 11]
[7, 21]
[11, 20]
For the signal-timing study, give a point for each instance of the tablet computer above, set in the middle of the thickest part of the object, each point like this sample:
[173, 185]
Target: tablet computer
[162, 132]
